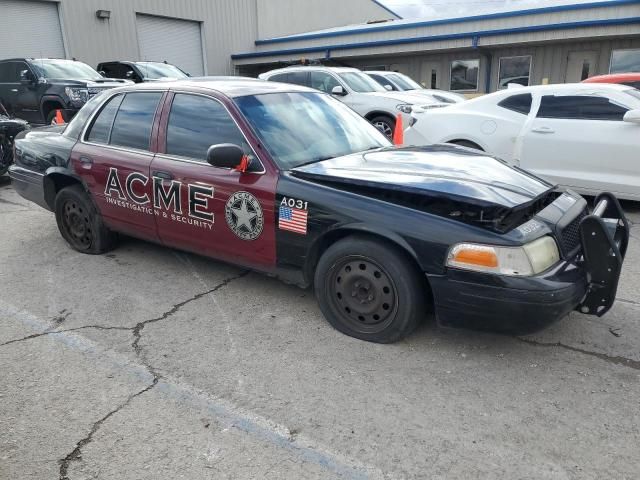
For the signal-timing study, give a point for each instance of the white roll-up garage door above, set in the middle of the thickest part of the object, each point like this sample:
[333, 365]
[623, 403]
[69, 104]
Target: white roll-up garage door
[179, 42]
[30, 29]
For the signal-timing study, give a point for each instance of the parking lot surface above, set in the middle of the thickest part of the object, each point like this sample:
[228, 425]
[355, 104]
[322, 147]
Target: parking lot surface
[150, 363]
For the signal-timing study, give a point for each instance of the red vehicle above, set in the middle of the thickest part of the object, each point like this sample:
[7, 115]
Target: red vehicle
[630, 79]
[288, 181]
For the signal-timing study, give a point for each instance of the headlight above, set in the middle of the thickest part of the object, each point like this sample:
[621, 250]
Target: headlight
[530, 259]
[405, 108]
[78, 96]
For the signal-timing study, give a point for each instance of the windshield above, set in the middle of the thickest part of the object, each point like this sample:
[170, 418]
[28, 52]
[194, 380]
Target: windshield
[404, 82]
[65, 69]
[154, 70]
[361, 83]
[301, 128]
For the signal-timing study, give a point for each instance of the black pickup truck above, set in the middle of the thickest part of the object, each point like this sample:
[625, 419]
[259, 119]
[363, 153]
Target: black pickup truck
[34, 89]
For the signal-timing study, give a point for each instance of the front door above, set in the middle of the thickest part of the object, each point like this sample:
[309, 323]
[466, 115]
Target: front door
[216, 212]
[580, 66]
[114, 160]
[27, 97]
[570, 142]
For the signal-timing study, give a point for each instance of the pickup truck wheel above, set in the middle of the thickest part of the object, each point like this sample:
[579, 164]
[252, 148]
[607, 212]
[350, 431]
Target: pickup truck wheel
[369, 290]
[79, 222]
[386, 125]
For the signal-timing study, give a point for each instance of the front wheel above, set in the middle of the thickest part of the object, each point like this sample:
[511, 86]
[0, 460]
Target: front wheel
[386, 125]
[79, 222]
[369, 290]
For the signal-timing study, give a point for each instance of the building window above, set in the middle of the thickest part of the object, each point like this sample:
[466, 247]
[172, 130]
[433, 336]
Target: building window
[514, 70]
[623, 61]
[464, 75]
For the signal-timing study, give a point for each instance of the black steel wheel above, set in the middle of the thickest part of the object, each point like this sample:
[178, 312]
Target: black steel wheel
[79, 222]
[370, 290]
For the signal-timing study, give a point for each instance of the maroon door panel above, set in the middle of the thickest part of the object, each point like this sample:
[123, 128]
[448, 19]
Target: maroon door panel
[220, 213]
[120, 185]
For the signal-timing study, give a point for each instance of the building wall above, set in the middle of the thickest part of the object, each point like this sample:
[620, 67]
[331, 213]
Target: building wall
[227, 26]
[285, 17]
[549, 62]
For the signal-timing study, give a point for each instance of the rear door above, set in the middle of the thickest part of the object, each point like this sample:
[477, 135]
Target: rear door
[581, 141]
[213, 211]
[113, 158]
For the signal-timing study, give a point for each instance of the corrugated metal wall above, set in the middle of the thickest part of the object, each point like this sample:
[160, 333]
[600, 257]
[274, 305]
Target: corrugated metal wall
[227, 26]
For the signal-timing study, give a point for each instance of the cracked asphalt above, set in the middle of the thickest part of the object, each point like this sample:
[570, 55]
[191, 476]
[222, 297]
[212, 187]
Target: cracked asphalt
[150, 363]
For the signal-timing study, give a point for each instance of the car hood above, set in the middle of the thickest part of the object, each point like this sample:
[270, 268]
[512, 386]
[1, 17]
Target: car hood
[404, 97]
[457, 182]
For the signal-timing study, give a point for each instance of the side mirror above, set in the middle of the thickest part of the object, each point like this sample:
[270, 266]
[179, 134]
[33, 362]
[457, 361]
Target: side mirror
[26, 77]
[338, 90]
[632, 116]
[129, 74]
[226, 155]
[388, 87]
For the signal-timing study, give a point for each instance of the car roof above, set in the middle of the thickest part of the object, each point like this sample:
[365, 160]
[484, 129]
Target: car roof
[312, 67]
[614, 78]
[380, 72]
[229, 86]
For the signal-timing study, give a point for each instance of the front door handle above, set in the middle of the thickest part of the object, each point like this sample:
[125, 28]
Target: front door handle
[14, 90]
[163, 175]
[543, 130]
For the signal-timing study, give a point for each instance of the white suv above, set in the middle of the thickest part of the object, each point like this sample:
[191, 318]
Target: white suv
[358, 91]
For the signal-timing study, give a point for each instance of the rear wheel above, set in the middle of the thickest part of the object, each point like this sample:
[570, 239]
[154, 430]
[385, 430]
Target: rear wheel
[369, 290]
[79, 222]
[386, 125]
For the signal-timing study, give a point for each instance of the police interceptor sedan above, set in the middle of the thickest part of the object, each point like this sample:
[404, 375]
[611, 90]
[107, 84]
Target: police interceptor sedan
[288, 181]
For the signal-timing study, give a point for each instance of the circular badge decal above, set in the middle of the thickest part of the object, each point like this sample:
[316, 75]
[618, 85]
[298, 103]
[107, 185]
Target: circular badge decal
[244, 215]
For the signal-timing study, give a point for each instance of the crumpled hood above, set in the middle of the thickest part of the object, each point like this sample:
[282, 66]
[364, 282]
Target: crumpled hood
[464, 183]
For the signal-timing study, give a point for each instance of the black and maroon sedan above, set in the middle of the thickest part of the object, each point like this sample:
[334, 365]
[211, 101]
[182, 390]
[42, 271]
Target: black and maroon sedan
[288, 181]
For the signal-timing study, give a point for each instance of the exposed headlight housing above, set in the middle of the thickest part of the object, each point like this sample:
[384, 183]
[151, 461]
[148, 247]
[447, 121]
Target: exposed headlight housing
[405, 108]
[530, 259]
[77, 95]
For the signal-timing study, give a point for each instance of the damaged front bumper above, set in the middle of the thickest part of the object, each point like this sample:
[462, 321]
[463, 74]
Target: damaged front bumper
[521, 305]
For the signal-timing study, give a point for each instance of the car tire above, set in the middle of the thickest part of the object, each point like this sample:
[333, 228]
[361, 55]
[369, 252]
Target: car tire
[386, 125]
[370, 290]
[80, 224]
[468, 144]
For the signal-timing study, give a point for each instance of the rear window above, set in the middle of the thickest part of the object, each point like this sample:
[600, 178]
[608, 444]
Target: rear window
[132, 126]
[518, 103]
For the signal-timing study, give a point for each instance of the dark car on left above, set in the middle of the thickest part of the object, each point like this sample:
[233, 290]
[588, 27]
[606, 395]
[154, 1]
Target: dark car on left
[288, 181]
[35, 89]
[139, 72]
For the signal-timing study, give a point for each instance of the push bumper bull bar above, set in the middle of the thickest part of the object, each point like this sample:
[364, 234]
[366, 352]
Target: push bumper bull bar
[605, 237]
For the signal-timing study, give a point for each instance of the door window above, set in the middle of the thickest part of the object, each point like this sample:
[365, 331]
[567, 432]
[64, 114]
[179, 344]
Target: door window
[134, 120]
[298, 78]
[323, 81]
[464, 75]
[196, 123]
[6, 72]
[580, 107]
[518, 103]
[101, 128]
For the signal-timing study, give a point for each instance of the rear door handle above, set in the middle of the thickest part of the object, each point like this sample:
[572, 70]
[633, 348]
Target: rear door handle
[543, 130]
[14, 90]
[163, 175]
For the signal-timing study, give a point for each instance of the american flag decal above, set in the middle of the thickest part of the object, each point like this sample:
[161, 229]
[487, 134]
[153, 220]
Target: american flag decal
[293, 219]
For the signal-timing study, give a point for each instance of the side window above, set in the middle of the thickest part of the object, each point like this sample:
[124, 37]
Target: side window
[279, 77]
[5, 72]
[101, 128]
[196, 123]
[323, 81]
[518, 103]
[299, 78]
[585, 107]
[134, 120]
[15, 71]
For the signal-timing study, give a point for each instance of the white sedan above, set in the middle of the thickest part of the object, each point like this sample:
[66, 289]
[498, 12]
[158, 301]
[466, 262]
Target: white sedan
[582, 136]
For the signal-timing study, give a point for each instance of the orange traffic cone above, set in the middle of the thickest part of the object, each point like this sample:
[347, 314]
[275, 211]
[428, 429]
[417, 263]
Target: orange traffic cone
[398, 132]
[59, 120]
